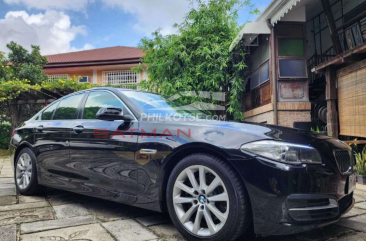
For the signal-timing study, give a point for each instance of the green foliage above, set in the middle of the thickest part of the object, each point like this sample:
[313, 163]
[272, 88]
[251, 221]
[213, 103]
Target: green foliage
[197, 58]
[5, 133]
[70, 85]
[23, 64]
[361, 162]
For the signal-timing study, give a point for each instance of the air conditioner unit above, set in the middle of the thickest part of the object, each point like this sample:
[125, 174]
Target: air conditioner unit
[84, 79]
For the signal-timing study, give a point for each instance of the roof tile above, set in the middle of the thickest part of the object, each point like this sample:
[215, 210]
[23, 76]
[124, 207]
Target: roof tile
[110, 53]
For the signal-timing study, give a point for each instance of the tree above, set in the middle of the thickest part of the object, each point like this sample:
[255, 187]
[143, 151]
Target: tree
[24, 65]
[197, 58]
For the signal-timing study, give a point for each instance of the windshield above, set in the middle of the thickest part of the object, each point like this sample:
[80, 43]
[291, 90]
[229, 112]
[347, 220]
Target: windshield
[161, 106]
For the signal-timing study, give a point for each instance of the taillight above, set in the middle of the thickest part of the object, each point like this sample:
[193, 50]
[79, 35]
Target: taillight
[13, 133]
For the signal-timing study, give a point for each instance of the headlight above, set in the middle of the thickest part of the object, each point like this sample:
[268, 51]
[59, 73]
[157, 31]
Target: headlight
[284, 152]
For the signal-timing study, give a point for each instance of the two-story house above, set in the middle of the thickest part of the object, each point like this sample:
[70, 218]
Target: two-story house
[307, 64]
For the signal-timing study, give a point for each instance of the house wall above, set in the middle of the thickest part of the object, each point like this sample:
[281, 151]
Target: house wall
[94, 73]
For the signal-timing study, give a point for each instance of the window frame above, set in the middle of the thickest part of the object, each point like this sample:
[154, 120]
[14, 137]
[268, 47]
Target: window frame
[106, 75]
[83, 102]
[278, 57]
[57, 77]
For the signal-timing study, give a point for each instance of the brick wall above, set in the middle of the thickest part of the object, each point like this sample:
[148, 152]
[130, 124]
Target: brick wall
[287, 118]
[267, 116]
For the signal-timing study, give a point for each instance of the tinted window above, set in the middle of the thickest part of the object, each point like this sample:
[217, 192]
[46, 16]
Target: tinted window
[66, 110]
[97, 100]
[48, 112]
[159, 105]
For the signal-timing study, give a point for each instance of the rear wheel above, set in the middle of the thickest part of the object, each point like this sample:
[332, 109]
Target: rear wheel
[25, 173]
[206, 199]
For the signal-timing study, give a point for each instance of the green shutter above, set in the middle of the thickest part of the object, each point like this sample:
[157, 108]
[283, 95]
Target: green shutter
[291, 47]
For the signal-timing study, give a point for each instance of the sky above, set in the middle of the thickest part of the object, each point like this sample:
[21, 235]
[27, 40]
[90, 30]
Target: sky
[60, 26]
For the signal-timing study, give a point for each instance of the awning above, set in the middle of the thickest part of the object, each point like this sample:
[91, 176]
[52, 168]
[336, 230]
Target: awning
[285, 8]
[250, 32]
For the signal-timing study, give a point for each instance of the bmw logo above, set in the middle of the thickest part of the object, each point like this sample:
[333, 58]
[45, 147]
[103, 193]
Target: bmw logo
[202, 199]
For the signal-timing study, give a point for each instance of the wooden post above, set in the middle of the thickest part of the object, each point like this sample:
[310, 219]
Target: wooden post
[15, 115]
[332, 27]
[331, 97]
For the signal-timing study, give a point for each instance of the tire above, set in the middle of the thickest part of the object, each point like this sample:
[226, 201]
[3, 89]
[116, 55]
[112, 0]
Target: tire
[188, 209]
[25, 175]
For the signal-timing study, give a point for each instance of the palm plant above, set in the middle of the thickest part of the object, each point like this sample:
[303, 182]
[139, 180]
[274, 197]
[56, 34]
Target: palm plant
[361, 162]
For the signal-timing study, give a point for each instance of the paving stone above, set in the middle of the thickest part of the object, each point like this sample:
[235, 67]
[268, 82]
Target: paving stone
[154, 220]
[353, 237]
[31, 199]
[23, 206]
[68, 199]
[7, 185]
[167, 232]
[25, 216]
[356, 223]
[6, 180]
[7, 192]
[354, 212]
[92, 232]
[327, 232]
[361, 187]
[8, 200]
[8, 233]
[128, 230]
[361, 205]
[107, 211]
[55, 224]
[359, 198]
[70, 210]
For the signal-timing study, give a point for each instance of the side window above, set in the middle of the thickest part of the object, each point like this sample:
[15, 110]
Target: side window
[48, 112]
[66, 110]
[97, 100]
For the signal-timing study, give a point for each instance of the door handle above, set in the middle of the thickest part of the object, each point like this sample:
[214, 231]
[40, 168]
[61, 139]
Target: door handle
[148, 151]
[78, 129]
[39, 128]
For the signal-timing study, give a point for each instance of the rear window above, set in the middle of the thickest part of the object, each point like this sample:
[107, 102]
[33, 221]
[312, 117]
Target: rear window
[67, 108]
[48, 112]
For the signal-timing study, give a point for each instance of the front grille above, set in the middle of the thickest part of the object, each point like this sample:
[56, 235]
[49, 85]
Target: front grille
[344, 160]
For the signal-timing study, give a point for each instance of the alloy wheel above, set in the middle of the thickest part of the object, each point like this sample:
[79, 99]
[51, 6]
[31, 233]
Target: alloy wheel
[200, 200]
[23, 171]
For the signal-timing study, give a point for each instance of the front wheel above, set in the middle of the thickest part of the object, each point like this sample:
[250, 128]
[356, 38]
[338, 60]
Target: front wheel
[207, 200]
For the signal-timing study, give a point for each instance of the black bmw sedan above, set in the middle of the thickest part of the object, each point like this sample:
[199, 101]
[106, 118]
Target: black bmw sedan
[215, 178]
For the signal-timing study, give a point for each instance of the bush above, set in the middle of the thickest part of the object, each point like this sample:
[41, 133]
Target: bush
[361, 162]
[5, 135]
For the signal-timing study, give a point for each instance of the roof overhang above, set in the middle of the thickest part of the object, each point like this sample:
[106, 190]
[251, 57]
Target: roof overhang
[277, 10]
[249, 33]
[92, 63]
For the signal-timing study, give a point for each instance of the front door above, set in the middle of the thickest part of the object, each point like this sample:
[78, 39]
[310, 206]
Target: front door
[102, 153]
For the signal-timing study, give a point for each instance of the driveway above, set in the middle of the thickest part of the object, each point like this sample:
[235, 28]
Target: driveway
[63, 216]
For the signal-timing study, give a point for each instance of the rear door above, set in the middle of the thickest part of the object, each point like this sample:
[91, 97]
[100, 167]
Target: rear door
[102, 154]
[52, 136]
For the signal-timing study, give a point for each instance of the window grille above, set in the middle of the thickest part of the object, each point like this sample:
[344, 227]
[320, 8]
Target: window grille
[54, 77]
[121, 77]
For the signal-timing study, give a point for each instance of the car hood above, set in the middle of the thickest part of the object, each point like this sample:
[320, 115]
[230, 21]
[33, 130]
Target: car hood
[263, 131]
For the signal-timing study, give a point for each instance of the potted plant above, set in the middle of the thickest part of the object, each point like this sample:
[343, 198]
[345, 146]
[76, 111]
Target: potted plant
[361, 166]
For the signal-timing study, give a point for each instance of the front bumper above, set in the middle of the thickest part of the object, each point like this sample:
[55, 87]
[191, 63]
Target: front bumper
[288, 199]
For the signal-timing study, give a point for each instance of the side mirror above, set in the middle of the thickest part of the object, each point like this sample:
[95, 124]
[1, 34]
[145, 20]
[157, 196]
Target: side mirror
[110, 113]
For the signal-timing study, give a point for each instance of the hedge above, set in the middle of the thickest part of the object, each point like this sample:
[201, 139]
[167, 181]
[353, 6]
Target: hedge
[5, 135]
